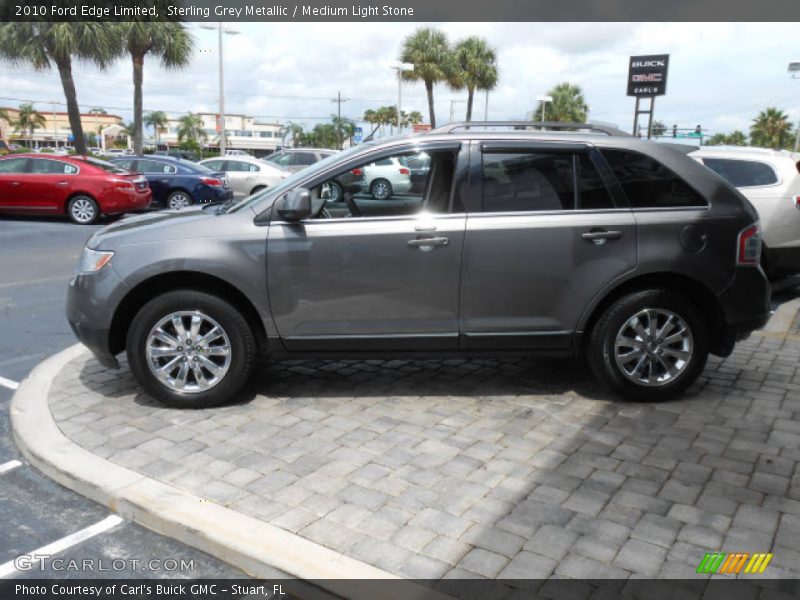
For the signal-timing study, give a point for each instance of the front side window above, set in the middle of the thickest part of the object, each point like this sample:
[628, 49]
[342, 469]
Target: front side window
[649, 184]
[532, 181]
[389, 187]
[238, 165]
[13, 165]
[742, 173]
[52, 167]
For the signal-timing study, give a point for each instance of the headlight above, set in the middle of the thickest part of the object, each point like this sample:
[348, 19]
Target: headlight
[92, 261]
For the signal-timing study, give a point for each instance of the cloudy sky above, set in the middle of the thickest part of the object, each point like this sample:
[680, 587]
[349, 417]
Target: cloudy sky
[721, 74]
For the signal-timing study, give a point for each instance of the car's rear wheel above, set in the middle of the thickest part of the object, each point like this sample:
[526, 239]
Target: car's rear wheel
[380, 189]
[335, 192]
[190, 349]
[83, 210]
[649, 345]
[178, 200]
[257, 189]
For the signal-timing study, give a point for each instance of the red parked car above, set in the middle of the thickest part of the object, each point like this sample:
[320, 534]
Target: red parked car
[81, 187]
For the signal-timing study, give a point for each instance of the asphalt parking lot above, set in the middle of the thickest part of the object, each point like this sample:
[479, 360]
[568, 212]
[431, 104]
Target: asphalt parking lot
[39, 257]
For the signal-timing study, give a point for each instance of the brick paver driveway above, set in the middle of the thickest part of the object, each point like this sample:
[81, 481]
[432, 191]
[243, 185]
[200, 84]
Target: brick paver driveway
[481, 468]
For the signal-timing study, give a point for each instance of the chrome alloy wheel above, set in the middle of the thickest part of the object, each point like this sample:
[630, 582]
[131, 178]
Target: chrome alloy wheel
[82, 210]
[188, 352]
[381, 190]
[653, 347]
[179, 200]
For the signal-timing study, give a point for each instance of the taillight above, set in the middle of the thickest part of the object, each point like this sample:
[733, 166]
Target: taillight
[797, 201]
[404, 171]
[123, 184]
[749, 246]
[357, 172]
[213, 181]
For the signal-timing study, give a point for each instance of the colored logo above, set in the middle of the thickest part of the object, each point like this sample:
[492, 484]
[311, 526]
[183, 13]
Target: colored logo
[734, 562]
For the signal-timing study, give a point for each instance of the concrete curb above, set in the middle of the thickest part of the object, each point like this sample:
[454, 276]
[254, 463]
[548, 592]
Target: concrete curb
[257, 548]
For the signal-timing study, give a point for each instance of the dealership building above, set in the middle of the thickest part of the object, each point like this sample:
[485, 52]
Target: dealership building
[242, 133]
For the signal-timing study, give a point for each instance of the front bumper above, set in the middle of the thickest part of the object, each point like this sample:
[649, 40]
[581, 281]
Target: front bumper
[91, 302]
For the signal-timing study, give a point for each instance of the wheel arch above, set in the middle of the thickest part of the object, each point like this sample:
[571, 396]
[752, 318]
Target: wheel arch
[159, 284]
[75, 194]
[700, 295]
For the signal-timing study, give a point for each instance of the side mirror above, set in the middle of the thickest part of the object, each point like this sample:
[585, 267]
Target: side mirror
[296, 205]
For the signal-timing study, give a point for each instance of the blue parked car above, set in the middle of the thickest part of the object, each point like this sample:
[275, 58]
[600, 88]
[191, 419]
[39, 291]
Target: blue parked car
[177, 183]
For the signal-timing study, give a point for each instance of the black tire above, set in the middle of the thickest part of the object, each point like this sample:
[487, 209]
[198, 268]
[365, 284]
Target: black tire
[336, 192]
[375, 187]
[83, 210]
[257, 189]
[601, 352]
[179, 197]
[243, 350]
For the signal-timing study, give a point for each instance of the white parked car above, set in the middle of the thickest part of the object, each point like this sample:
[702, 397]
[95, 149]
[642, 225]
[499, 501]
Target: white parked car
[236, 153]
[387, 177]
[246, 174]
[770, 179]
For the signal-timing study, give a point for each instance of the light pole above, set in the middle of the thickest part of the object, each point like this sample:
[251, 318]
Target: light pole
[452, 104]
[222, 30]
[400, 67]
[794, 71]
[544, 100]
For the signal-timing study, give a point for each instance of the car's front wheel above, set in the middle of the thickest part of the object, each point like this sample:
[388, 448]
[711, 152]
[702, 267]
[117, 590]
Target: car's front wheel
[649, 345]
[380, 189]
[190, 349]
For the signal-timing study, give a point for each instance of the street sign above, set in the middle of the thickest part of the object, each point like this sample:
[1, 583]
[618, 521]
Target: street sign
[358, 135]
[647, 75]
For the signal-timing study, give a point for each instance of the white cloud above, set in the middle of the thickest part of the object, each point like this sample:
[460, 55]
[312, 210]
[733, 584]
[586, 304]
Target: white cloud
[721, 74]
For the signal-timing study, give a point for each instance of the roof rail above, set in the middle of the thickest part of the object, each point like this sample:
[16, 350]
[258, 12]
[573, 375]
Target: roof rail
[607, 129]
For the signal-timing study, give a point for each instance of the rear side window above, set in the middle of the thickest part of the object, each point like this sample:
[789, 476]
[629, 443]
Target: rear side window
[153, 166]
[649, 184]
[542, 181]
[304, 158]
[52, 167]
[742, 173]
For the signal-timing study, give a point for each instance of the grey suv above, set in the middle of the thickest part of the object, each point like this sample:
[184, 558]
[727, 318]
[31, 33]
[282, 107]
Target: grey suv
[518, 243]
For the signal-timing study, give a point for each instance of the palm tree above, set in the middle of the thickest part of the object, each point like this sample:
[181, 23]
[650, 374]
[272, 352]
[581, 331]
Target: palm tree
[474, 67]
[771, 129]
[295, 130]
[568, 104]
[44, 44]
[29, 120]
[156, 119]
[169, 41]
[659, 128]
[411, 118]
[190, 129]
[736, 138]
[428, 50]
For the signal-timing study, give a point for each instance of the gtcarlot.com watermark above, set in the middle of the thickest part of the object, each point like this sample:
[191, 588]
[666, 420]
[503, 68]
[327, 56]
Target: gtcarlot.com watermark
[45, 562]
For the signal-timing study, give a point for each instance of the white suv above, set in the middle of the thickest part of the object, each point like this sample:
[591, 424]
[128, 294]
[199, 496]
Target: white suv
[386, 177]
[770, 179]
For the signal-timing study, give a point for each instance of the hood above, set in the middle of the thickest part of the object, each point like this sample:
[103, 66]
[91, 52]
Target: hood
[191, 222]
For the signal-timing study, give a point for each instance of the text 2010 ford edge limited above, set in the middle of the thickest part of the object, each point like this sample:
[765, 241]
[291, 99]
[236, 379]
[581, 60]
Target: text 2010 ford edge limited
[623, 250]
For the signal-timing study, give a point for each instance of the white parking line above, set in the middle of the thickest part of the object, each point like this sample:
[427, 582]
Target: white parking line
[12, 464]
[10, 568]
[12, 385]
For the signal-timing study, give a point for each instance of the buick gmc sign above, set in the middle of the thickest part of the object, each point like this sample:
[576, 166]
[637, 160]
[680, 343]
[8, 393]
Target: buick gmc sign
[647, 75]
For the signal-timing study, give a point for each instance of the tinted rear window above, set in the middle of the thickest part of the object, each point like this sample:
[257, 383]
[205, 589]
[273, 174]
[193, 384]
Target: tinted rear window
[742, 173]
[649, 184]
[105, 165]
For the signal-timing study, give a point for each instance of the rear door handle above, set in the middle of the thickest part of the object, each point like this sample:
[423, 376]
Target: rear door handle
[14, 183]
[601, 236]
[428, 242]
[63, 183]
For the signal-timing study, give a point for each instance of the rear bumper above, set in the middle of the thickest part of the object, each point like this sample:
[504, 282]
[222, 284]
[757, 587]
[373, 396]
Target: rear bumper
[745, 306]
[126, 202]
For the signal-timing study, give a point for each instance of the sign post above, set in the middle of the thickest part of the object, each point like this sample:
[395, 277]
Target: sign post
[647, 78]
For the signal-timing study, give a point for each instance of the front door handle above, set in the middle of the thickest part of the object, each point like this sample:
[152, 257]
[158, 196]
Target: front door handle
[63, 183]
[14, 183]
[601, 236]
[428, 242]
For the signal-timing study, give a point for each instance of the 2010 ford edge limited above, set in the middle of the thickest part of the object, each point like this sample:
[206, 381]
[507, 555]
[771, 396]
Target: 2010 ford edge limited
[518, 243]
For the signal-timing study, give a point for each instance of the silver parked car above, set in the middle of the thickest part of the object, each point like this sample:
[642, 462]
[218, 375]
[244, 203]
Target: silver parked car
[525, 243]
[247, 175]
[296, 159]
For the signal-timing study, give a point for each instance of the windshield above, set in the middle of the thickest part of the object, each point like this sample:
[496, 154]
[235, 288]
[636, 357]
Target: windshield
[294, 179]
[105, 165]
